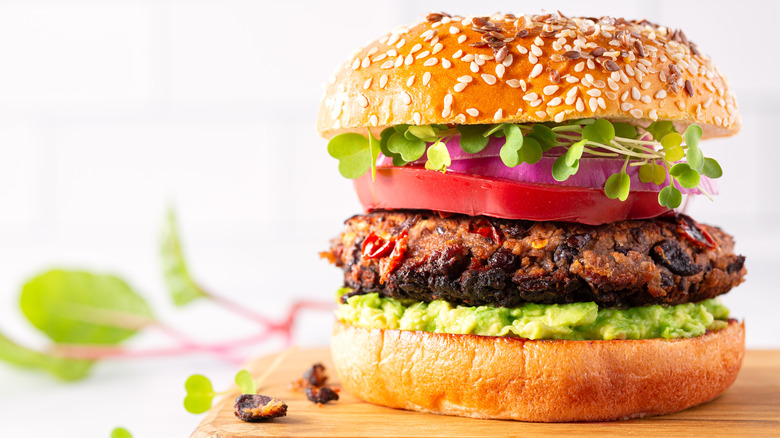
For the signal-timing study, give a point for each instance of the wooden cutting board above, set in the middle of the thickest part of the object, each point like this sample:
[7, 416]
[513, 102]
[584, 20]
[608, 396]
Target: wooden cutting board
[749, 408]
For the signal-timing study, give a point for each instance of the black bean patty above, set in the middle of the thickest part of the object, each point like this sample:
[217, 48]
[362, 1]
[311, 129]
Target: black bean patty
[485, 261]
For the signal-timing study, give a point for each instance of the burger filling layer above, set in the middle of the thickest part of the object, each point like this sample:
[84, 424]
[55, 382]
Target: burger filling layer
[575, 321]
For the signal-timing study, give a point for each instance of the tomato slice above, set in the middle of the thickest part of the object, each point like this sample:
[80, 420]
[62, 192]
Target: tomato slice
[416, 188]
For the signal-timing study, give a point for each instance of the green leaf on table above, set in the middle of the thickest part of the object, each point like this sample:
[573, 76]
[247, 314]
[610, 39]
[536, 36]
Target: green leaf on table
[245, 382]
[181, 286]
[60, 367]
[618, 186]
[600, 131]
[670, 197]
[79, 307]
[711, 168]
[121, 432]
[353, 152]
[409, 150]
[438, 157]
[472, 139]
[687, 177]
[200, 394]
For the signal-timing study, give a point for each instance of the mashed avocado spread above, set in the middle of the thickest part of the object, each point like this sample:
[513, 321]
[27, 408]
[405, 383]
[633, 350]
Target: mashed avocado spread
[576, 321]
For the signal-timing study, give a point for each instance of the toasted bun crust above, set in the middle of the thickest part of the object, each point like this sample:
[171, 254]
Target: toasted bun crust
[544, 381]
[528, 69]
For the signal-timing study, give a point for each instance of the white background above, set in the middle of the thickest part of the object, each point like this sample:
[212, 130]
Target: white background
[111, 110]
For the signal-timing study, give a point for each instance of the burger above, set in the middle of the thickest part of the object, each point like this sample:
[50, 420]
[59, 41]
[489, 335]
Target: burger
[523, 254]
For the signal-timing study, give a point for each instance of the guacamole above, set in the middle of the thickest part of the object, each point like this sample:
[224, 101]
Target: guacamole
[576, 321]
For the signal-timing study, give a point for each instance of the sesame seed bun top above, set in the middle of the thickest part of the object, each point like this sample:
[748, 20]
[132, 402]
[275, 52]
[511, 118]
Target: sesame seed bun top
[528, 68]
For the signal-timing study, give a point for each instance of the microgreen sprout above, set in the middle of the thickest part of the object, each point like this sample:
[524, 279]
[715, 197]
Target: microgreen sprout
[121, 432]
[200, 392]
[665, 157]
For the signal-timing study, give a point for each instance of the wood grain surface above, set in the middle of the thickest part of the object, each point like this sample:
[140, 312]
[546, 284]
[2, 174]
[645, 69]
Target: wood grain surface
[749, 408]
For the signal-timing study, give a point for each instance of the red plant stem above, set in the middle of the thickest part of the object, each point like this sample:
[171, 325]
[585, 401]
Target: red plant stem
[188, 346]
[241, 310]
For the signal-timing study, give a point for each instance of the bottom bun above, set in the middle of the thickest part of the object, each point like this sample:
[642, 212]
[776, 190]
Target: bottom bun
[542, 380]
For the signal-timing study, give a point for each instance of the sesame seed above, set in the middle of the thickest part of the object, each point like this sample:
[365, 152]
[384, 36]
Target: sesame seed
[459, 86]
[559, 117]
[508, 60]
[431, 62]
[646, 99]
[454, 30]
[467, 58]
[486, 57]
[645, 85]
[362, 100]
[356, 64]
[538, 41]
[532, 58]
[480, 62]
[488, 78]
[406, 98]
[514, 83]
[599, 84]
[660, 94]
[373, 120]
[550, 89]
[602, 104]
[624, 96]
[393, 39]
[366, 62]
[457, 54]
[593, 104]
[387, 64]
[460, 118]
[718, 120]
[536, 51]
[392, 52]
[416, 117]
[572, 79]
[422, 54]
[399, 61]
[401, 43]
[635, 94]
[570, 99]
[448, 100]
[474, 67]
[437, 48]
[554, 102]
[636, 113]
[373, 50]
[446, 111]
[473, 112]
[579, 67]
[580, 105]
[367, 83]
[465, 78]
[535, 103]
[707, 103]
[409, 59]
[537, 70]
[611, 96]
[593, 92]
[410, 81]
[541, 114]
[462, 39]
[572, 92]
[446, 63]
[383, 81]
[416, 48]
[653, 114]
[625, 106]
[380, 57]
[426, 78]
[499, 114]
[530, 97]
[500, 69]
[591, 64]
[522, 50]
[615, 76]
[612, 84]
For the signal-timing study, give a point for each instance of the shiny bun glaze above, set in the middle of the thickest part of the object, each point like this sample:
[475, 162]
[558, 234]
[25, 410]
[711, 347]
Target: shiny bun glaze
[528, 68]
